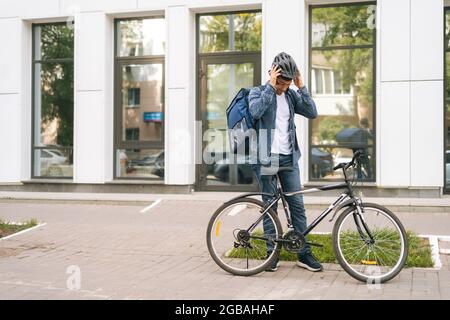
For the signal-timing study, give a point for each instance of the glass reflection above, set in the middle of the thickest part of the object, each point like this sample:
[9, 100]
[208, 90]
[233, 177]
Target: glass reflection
[223, 82]
[53, 100]
[53, 41]
[447, 117]
[342, 83]
[230, 32]
[142, 103]
[140, 163]
[53, 162]
[53, 104]
[141, 37]
[343, 25]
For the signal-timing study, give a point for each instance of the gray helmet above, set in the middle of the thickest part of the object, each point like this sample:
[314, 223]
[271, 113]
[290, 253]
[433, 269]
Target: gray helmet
[287, 64]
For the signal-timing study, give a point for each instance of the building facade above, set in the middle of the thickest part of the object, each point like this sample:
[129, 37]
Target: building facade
[130, 95]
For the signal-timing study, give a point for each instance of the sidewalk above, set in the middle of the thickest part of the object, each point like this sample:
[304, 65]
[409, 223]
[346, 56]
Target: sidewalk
[317, 202]
[121, 252]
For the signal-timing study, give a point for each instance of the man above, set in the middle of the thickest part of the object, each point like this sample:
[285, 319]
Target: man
[273, 106]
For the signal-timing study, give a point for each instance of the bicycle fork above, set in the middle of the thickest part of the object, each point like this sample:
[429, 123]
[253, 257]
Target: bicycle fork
[361, 223]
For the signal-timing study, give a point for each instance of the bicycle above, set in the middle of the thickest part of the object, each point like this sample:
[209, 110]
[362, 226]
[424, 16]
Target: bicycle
[369, 241]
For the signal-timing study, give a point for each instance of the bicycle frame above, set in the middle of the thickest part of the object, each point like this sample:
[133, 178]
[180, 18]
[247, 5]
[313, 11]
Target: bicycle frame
[345, 199]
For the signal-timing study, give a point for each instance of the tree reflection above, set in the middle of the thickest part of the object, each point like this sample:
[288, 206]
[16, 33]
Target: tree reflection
[343, 48]
[232, 32]
[344, 26]
[56, 43]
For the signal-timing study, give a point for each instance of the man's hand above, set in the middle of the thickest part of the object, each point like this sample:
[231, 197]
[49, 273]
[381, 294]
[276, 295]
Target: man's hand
[298, 81]
[275, 71]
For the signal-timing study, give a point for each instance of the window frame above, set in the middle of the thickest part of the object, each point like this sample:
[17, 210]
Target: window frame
[119, 61]
[134, 92]
[33, 102]
[372, 46]
[244, 56]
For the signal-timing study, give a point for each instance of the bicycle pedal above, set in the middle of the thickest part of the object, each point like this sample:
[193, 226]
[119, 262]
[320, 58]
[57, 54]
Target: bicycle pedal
[314, 244]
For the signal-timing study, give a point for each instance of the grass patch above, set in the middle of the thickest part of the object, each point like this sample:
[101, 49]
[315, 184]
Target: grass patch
[7, 228]
[419, 250]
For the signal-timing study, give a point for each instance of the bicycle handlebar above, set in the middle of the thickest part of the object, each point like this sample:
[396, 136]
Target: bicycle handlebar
[347, 165]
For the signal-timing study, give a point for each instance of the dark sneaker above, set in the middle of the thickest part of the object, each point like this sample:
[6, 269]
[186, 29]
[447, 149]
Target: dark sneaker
[309, 262]
[274, 266]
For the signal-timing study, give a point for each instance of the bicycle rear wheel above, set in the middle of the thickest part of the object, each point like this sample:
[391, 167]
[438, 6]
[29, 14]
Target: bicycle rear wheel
[234, 247]
[369, 260]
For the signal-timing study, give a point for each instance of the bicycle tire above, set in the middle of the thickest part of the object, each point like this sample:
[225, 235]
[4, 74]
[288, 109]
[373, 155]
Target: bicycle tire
[216, 258]
[340, 257]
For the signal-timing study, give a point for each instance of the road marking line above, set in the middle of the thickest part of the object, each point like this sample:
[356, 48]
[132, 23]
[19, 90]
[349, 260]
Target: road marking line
[434, 244]
[441, 238]
[150, 206]
[23, 231]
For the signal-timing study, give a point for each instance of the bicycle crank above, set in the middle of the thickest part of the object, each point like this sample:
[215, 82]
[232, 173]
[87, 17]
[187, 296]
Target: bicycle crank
[293, 241]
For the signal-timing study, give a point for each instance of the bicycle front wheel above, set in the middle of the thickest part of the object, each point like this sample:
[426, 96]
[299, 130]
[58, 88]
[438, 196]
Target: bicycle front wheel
[240, 244]
[372, 247]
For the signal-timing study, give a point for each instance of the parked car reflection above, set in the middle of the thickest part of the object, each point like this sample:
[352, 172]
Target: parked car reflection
[53, 163]
[321, 163]
[244, 169]
[152, 164]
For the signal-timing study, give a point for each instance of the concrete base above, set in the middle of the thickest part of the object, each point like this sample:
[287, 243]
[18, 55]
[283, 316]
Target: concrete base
[112, 187]
[158, 187]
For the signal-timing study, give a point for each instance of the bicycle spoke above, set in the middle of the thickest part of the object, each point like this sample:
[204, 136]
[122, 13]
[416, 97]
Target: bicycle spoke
[237, 250]
[385, 251]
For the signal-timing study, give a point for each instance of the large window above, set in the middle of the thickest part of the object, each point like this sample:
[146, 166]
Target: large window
[228, 58]
[139, 98]
[52, 120]
[342, 81]
[447, 103]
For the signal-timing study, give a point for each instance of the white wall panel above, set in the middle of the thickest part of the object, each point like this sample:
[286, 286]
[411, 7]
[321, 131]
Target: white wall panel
[27, 8]
[89, 137]
[90, 51]
[177, 44]
[427, 32]
[395, 39]
[96, 5]
[394, 134]
[178, 111]
[10, 134]
[427, 133]
[282, 36]
[10, 37]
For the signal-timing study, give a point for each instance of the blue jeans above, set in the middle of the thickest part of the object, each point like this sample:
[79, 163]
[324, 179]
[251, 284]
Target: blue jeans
[290, 181]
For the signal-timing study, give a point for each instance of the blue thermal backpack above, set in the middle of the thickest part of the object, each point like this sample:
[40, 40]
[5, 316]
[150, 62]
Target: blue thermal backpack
[240, 121]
